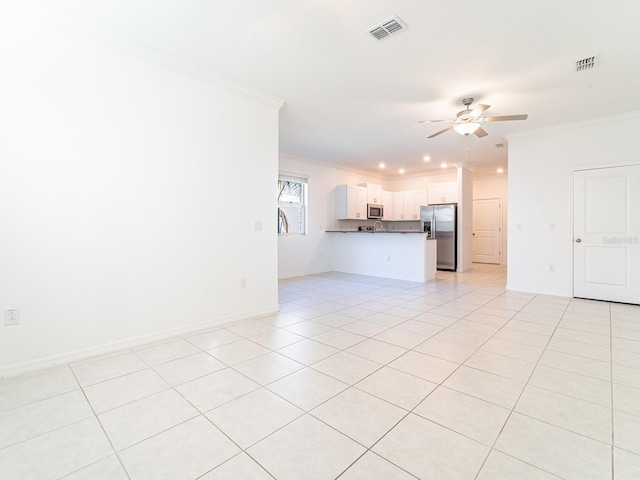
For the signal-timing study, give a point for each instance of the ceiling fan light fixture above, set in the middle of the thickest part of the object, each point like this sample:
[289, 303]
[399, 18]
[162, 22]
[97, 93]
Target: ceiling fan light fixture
[466, 128]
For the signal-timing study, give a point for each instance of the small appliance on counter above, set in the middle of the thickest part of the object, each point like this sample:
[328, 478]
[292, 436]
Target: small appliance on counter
[365, 228]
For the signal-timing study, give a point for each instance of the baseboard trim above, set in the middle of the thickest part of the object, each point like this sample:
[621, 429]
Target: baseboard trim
[533, 292]
[293, 275]
[67, 357]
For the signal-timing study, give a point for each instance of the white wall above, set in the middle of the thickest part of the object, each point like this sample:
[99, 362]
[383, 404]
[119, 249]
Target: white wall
[541, 166]
[465, 219]
[129, 192]
[421, 182]
[495, 187]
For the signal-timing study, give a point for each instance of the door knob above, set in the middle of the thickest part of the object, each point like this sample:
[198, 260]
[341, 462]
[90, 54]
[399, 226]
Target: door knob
[578, 240]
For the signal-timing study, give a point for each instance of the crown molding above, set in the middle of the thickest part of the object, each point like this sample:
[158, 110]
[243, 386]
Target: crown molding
[148, 55]
[580, 123]
[331, 165]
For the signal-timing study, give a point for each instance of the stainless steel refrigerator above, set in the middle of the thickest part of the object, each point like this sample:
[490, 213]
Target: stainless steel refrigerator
[441, 222]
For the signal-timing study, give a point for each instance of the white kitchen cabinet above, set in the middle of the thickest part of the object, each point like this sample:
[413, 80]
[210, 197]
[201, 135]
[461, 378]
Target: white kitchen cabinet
[388, 204]
[406, 206]
[398, 205]
[422, 200]
[374, 193]
[351, 202]
[446, 192]
[410, 210]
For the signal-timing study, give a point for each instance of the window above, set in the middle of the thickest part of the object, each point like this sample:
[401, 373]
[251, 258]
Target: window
[292, 199]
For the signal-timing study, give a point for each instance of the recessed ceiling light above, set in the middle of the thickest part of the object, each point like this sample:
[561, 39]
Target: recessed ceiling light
[443, 164]
[381, 165]
[401, 171]
[500, 170]
[426, 158]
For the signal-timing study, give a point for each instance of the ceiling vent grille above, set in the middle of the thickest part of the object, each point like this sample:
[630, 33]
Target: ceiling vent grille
[585, 64]
[389, 27]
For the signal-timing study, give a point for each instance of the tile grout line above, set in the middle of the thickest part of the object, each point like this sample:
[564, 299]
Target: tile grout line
[367, 449]
[612, 397]
[354, 385]
[115, 452]
[492, 448]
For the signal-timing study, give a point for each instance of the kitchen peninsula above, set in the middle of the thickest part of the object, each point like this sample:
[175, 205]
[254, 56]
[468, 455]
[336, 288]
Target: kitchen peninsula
[407, 255]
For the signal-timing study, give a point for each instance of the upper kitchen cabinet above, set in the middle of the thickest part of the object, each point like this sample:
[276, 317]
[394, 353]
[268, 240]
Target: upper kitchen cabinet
[398, 205]
[422, 199]
[351, 202]
[413, 200]
[388, 204]
[407, 204]
[374, 193]
[410, 212]
[446, 192]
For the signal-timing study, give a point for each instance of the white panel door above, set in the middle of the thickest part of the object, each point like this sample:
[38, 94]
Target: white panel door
[606, 234]
[486, 231]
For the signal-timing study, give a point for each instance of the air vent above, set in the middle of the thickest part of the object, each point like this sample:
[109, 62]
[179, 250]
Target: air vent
[389, 27]
[585, 64]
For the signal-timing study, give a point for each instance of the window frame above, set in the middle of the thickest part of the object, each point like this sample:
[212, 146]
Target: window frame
[303, 205]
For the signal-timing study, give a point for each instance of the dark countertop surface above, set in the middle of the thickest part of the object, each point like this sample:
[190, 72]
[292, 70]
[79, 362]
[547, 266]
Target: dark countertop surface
[378, 231]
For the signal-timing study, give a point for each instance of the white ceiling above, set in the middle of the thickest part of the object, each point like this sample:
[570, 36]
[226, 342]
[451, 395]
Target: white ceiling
[354, 101]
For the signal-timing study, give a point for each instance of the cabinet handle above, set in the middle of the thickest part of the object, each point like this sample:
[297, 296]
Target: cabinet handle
[578, 240]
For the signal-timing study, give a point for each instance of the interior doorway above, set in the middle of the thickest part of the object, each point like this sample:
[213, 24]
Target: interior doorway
[487, 231]
[606, 234]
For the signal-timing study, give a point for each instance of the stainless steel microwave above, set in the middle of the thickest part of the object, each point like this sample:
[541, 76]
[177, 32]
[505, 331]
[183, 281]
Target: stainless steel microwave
[375, 211]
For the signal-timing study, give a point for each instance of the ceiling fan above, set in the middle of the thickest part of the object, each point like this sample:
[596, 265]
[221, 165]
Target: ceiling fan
[468, 121]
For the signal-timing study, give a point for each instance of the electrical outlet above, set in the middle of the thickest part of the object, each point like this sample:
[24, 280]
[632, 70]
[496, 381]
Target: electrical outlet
[388, 258]
[257, 226]
[11, 317]
[243, 283]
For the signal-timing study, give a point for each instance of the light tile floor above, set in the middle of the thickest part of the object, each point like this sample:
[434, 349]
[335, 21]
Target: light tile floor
[356, 378]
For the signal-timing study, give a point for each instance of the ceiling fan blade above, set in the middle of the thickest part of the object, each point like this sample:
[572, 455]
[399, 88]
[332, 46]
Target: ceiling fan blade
[441, 131]
[504, 118]
[480, 132]
[478, 110]
[434, 121]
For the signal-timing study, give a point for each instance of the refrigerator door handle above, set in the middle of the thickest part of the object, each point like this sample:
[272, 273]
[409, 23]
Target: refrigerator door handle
[434, 228]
